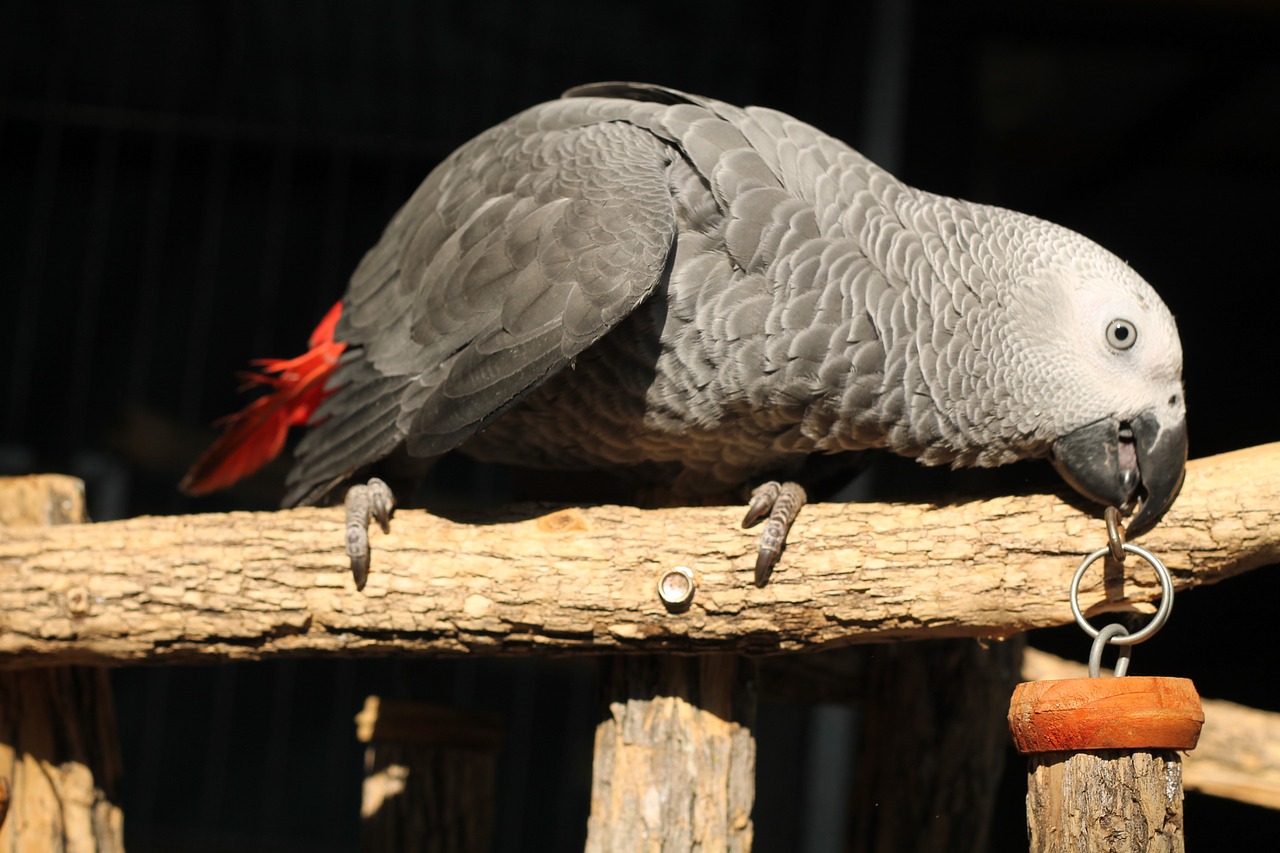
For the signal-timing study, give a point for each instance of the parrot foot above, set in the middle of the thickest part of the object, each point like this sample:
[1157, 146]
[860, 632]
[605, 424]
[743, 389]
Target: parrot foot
[780, 503]
[366, 503]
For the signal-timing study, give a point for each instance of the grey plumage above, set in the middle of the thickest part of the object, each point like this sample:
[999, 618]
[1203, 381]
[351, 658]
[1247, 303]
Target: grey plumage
[637, 279]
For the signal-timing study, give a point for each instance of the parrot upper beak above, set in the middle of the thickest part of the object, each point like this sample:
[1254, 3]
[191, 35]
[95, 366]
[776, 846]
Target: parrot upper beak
[1136, 465]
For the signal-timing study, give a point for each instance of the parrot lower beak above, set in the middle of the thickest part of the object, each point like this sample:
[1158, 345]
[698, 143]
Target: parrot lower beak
[1136, 466]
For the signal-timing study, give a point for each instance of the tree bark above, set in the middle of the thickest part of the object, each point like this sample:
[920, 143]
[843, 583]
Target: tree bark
[532, 579]
[675, 757]
[59, 755]
[1108, 801]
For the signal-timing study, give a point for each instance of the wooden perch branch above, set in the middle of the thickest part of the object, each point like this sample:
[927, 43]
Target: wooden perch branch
[251, 585]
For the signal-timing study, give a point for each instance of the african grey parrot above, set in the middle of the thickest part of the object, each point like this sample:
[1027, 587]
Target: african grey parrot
[690, 293]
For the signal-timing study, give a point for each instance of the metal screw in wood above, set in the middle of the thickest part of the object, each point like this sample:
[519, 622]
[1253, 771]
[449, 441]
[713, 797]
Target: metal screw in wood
[676, 587]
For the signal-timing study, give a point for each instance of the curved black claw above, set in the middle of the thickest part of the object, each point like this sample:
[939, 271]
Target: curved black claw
[780, 503]
[371, 502]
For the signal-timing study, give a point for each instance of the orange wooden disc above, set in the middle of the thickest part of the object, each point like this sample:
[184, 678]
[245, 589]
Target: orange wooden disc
[1134, 712]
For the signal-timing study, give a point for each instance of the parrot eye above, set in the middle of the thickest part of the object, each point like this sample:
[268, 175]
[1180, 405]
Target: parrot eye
[1121, 334]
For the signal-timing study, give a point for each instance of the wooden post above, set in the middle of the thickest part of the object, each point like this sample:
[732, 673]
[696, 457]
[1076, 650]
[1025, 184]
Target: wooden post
[674, 757]
[933, 746]
[59, 755]
[430, 777]
[1104, 774]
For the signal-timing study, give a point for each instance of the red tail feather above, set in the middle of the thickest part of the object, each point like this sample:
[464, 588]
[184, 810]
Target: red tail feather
[255, 435]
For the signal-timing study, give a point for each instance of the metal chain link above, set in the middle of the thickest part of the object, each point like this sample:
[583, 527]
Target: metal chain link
[1116, 634]
[1115, 629]
[1115, 534]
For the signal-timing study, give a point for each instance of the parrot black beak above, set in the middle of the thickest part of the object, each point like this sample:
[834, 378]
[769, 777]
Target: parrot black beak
[1136, 466]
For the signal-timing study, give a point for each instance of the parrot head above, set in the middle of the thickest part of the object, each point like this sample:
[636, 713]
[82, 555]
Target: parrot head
[1100, 367]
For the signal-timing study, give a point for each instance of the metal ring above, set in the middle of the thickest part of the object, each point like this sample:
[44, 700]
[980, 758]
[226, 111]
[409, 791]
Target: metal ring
[1162, 612]
[1115, 534]
[1105, 636]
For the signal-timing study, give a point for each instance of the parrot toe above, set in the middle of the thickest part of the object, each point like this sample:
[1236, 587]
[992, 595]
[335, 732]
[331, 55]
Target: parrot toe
[364, 504]
[780, 503]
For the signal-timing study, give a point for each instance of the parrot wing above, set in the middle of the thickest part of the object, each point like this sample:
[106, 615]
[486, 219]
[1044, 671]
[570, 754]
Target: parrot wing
[520, 251]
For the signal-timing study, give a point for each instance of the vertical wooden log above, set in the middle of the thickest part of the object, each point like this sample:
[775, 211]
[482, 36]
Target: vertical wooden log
[59, 752]
[1112, 800]
[675, 757]
[933, 745]
[430, 778]
[1103, 771]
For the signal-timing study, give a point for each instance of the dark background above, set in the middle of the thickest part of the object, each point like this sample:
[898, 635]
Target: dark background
[186, 185]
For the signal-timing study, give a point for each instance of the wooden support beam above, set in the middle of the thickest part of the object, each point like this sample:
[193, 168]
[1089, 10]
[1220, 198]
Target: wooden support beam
[59, 753]
[1114, 800]
[534, 579]
[932, 747]
[430, 777]
[675, 756]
